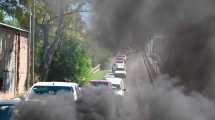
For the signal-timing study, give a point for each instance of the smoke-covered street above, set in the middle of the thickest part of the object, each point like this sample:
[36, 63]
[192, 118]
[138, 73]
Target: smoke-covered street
[143, 101]
[107, 60]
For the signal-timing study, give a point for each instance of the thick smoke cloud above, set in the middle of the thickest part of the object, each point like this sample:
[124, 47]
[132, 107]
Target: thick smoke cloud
[127, 21]
[143, 101]
[188, 55]
[93, 105]
[188, 27]
[159, 102]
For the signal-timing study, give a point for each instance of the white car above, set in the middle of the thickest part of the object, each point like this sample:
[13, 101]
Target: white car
[53, 88]
[117, 85]
[109, 75]
[120, 72]
[122, 57]
[120, 66]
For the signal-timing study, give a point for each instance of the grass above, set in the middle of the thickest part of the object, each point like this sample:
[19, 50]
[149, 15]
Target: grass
[99, 75]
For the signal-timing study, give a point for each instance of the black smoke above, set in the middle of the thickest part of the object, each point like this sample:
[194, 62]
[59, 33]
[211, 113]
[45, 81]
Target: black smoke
[188, 57]
[146, 102]
[189, 54]
[187, 26]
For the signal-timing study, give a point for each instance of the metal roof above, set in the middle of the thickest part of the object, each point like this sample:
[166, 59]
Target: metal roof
[13, 28]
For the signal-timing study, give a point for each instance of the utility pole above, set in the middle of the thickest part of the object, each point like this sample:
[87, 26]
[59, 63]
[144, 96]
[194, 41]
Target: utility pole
[33, 38]
[29, 49]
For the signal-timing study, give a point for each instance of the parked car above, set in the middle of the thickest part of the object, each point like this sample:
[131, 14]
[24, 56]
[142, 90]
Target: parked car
[123, 56]
[120, 66]
[109, 75]
[54, 88]
[114, 67]
[7, 108]
[118, 85]
[103, 85]
[120, 72]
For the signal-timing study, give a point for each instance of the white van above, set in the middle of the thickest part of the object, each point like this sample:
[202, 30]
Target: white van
[53, 88]
[117, 85]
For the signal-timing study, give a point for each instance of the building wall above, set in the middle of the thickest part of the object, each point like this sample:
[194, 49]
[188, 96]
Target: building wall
[13, 59]
[7, 60]
[23, 63]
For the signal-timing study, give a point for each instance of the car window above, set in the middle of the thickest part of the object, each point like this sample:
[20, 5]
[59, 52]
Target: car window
[116, 86]
[119, 61]
[41, 90]
[100, 84]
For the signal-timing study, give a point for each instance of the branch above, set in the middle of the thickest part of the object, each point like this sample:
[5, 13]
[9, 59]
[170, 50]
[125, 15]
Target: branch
[66, 14]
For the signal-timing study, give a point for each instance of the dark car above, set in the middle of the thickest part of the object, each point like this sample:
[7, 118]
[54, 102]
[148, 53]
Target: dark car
[6, 108]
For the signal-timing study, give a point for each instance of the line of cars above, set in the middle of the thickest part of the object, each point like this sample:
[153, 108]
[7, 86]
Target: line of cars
[114, 80]
[119, 66]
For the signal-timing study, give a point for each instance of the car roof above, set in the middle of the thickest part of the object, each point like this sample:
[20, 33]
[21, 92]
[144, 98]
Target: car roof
[101, 81]
[120, 71]
[115, 80]
[122, 56]
[119, 60]
[66, 84]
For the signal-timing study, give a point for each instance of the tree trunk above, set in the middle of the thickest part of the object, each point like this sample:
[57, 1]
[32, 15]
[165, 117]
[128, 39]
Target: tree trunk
[50, 50]
[45, 36]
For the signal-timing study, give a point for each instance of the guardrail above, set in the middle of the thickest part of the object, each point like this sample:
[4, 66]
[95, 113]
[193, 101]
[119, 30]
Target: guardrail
[96, 69]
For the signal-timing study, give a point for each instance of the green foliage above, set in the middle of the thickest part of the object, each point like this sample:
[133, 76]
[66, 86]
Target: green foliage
[70, 62]
[99, 75]
[99, 55]
[18, 11]
[2, 15]
[38, 56]
[12, 21]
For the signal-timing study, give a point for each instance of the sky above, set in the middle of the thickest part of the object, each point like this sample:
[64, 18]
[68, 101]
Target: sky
[86, 16]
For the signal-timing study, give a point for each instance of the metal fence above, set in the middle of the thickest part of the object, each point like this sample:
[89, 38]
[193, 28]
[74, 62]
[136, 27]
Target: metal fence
[152, 55]
[96, 69]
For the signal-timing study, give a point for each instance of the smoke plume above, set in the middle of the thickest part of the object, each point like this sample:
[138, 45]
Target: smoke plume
[143, 101]
[187, 64]
[187, 26]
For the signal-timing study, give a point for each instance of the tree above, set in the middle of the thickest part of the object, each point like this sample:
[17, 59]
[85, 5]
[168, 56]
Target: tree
[2, 15]
[70, 62]
[52, 25]
[18, 11]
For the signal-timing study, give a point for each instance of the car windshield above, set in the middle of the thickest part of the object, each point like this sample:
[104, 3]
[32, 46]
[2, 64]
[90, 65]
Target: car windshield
[120, 58]
[119, 61]
[41, 90]
[120, 69]
[100, 84]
